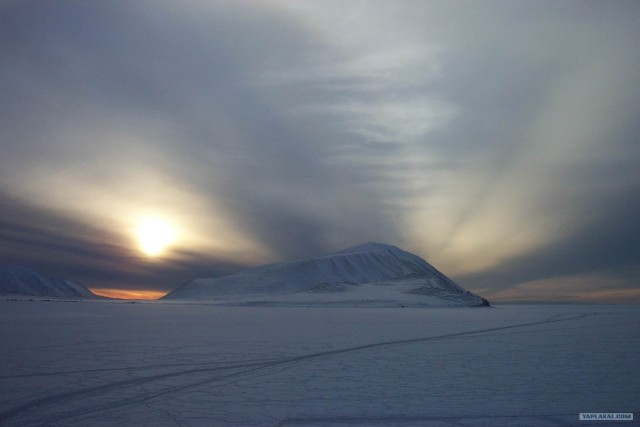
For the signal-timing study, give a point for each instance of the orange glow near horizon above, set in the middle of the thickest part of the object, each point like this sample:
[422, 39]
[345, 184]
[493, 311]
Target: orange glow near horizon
[616, 296]
[128, 294]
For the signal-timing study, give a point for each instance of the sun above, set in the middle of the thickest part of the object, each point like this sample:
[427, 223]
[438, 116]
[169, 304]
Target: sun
[154, 235]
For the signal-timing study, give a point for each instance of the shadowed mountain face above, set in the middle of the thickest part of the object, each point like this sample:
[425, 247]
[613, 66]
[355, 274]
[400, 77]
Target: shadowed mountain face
[24, 281]
[371, 274]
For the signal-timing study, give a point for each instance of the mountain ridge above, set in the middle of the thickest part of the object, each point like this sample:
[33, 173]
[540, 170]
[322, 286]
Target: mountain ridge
[338, 277]
[19, 280]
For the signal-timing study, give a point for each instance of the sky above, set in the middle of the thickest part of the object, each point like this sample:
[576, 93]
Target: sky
[499, 140]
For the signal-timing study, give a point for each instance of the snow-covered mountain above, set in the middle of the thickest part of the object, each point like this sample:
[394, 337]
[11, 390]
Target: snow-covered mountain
[24, 281]
[371, 274]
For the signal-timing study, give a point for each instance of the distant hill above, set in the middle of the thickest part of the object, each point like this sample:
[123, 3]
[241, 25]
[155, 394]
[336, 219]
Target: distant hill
[371, 274]
[25, 281]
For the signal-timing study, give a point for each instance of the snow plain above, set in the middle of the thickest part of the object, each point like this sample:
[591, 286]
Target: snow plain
[99, 363]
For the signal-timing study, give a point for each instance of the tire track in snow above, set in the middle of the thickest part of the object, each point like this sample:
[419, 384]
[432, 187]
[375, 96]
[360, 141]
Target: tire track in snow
[27, 408]
[58, 398]
[126, 369]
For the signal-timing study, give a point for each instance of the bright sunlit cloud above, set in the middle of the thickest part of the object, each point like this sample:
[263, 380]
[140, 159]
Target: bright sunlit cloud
[154, 236]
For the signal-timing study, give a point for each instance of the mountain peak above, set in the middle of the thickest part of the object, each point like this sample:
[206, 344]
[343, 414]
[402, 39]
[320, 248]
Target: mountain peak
[369, 274]
[383, 248]
[370, 247]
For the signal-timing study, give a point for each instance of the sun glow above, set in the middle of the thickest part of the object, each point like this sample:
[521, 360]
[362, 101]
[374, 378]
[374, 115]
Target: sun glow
[154, 235]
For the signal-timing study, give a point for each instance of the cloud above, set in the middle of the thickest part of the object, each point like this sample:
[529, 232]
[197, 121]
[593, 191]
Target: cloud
[499, 142]
[500, 174]
[580, 288]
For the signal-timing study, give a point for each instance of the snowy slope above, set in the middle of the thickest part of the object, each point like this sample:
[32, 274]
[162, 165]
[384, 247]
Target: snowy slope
[24, 281]
[371, 274]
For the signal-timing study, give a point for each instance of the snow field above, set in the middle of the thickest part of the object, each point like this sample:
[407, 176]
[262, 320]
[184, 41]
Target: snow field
[107, 363]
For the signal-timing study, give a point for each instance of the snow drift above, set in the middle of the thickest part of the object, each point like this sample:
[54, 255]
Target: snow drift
[24, 281]
[371, 274]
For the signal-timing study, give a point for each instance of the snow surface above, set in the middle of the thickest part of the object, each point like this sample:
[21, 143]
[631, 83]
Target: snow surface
[102, 363]
[372, 274]
[24, 281]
